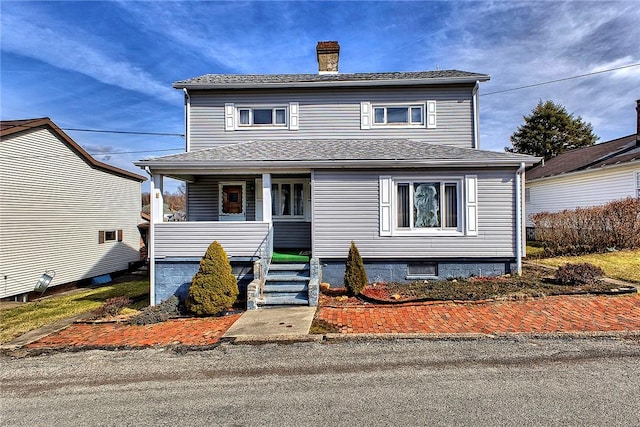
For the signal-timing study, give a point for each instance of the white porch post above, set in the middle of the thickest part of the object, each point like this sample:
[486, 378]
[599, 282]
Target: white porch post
[266, 197]
[157, 216]
[266, 208]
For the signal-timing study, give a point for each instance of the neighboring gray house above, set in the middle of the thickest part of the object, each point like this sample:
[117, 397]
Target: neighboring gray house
[61, 210]
[588, 176]
[312, 162]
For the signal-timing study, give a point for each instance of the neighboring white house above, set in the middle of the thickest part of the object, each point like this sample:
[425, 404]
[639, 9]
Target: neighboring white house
[587, 176]
[311, 162]
[61, 210]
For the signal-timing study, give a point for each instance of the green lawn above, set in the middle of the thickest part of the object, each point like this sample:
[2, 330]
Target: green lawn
[623, 265]
[29, 316]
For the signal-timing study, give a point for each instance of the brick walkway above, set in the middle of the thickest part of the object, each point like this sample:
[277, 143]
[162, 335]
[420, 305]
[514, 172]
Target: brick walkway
[552, 314]
[193, 331]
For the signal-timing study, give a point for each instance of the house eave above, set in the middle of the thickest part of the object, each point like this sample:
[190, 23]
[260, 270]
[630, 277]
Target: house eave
[333, 83]
[204, 166]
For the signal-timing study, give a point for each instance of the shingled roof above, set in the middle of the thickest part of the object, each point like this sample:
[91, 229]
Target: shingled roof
[618, 151]
[218, 81]
[329, 153]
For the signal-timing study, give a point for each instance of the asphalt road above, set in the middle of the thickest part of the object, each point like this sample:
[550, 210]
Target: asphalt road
[479, 382]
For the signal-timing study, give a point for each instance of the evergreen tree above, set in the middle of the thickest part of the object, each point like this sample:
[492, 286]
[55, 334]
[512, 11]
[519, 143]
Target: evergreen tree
[355, 276]
[214, 288]
[550, 131]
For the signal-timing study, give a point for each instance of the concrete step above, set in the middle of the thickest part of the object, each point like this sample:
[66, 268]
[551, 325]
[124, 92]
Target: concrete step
[285, 299]
[289, 287]
[289, 267]
[287, 278]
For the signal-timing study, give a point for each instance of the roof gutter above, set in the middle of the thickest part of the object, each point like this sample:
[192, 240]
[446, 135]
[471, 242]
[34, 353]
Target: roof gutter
[520, 224]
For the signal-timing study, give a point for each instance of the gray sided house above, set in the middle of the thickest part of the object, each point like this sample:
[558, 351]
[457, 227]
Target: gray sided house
[61, 210]
[307, 163]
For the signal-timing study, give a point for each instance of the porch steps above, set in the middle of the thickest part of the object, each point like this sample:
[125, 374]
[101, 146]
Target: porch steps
[286, 284]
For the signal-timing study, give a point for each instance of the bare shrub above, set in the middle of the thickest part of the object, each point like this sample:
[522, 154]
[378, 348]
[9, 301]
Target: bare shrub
[578, 274]
[590, 230]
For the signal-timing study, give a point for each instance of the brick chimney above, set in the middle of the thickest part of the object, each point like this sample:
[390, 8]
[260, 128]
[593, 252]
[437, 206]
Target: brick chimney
[328, 54]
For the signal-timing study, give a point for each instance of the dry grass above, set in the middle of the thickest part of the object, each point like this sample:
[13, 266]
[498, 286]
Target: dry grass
[622, 265]
[29, 316]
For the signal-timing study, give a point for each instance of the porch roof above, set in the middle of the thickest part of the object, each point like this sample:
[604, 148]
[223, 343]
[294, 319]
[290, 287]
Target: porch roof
[334, 153]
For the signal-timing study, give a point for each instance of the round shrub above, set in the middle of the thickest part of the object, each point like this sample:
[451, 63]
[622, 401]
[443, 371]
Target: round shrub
[355, 276]
[214, 288]
[578, 274]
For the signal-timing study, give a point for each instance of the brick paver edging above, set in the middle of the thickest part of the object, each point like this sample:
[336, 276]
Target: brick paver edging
[551, 314]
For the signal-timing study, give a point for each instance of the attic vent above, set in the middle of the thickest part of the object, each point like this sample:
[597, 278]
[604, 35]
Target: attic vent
[328, 54]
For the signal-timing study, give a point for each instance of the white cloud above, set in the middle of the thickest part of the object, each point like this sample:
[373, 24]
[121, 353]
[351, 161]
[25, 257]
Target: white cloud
[43, 43]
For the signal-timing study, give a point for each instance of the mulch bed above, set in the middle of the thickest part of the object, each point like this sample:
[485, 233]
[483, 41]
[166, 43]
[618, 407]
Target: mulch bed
[535, 282]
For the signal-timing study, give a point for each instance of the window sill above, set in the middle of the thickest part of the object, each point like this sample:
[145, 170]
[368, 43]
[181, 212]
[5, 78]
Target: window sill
[431, 233]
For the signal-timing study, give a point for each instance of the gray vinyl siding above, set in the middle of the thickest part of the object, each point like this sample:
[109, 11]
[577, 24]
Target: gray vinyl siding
[346, 208]
[292, 235]
[203, 197]
[191, 239]
[333, 113]
[52, 207]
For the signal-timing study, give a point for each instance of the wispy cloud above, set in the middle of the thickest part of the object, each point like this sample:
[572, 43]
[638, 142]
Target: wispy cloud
[46, 44]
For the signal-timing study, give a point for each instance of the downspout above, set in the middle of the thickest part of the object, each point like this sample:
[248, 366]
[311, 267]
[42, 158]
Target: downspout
[151, 241]
[476, 118]
[187, 120]
[519, 217]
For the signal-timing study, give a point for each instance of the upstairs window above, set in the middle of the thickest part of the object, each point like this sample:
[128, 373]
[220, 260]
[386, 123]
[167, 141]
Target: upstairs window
[248, 117]
[398, 115]
[276, 116]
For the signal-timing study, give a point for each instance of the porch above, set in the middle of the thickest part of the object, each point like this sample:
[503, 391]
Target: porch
[248, 215]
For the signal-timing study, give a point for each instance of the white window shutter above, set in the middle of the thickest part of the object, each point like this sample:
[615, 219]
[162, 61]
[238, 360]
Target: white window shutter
[258, 191]
[471, 200]
[293, 116]
[431, 114]
[365, 115]
[229, 116]
[386, 185]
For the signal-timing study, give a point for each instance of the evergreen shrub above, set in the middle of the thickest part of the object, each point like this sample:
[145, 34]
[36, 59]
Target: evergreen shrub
[214, 288]
[355, 276]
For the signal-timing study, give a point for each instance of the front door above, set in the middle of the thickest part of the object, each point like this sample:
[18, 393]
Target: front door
[232, 202]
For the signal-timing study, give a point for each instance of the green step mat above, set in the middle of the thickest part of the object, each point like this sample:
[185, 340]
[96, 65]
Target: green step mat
[284, 256]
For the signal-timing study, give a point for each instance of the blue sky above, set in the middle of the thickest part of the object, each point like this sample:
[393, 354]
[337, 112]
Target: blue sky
[110, 65]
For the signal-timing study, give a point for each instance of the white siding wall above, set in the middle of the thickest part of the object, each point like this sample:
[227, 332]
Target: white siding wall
[581, 189]
[346, 208]
[191, 239]
[333, 113]
[52, 206]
